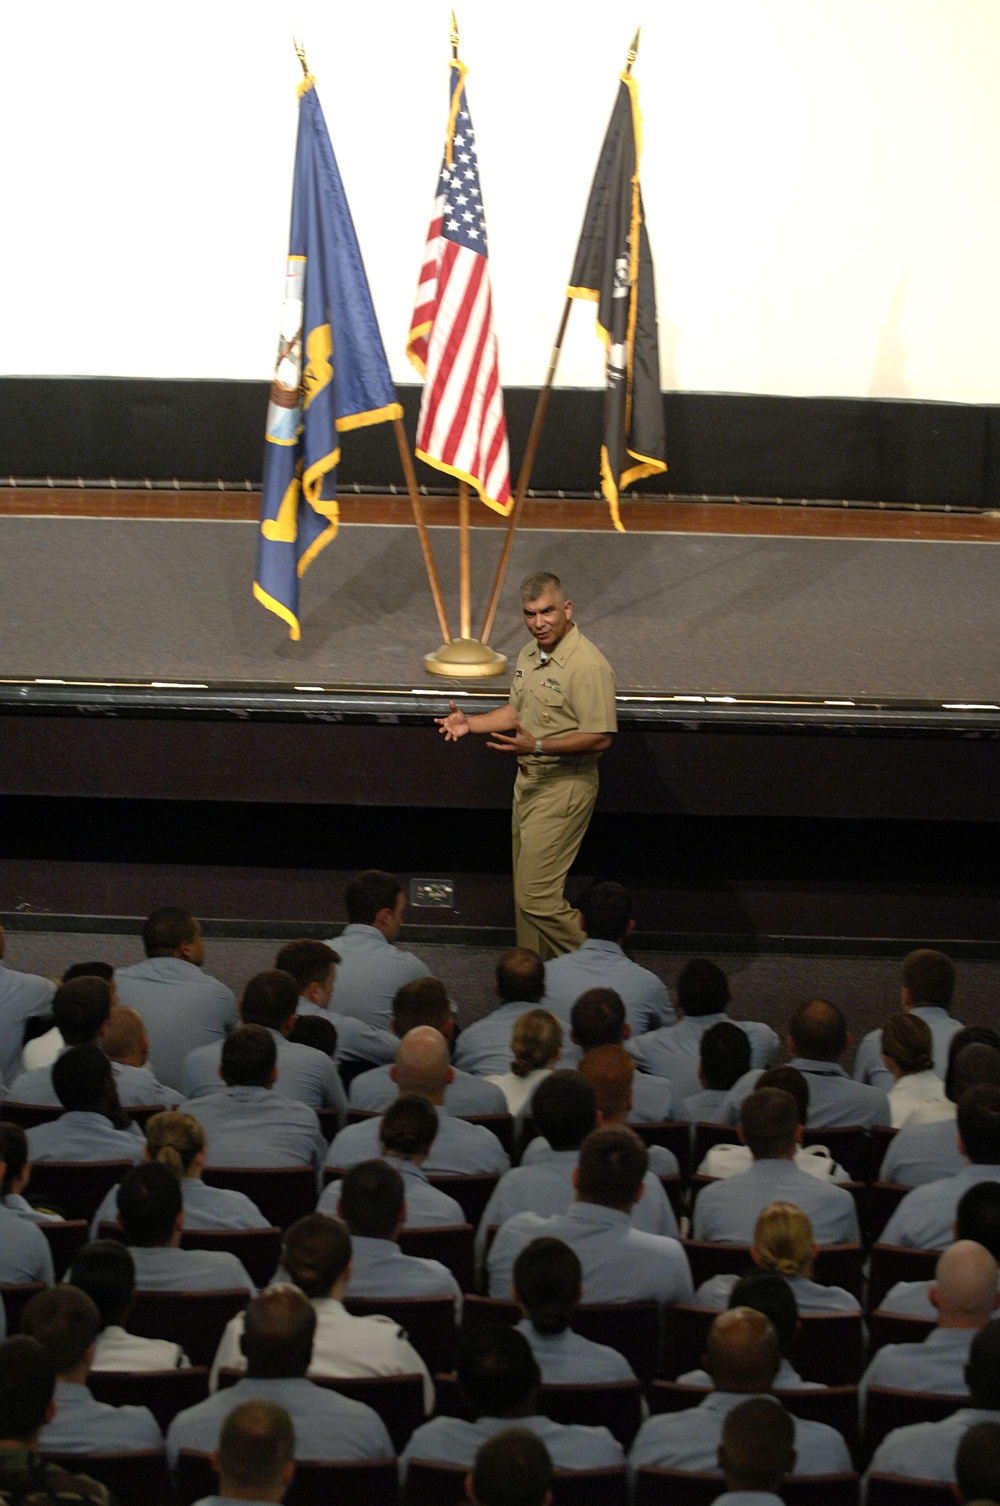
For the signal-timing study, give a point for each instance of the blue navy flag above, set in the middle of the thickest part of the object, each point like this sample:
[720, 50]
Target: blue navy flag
[331, 373]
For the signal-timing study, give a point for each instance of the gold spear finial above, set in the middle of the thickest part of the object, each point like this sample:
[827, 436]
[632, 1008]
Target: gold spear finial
[633, 51]
[300, 53]
[454, 37]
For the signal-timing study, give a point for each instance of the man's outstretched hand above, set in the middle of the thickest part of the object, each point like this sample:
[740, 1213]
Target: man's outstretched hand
[518, 742]
[454, 725]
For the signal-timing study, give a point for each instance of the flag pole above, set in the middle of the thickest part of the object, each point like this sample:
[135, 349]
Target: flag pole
[534, 438]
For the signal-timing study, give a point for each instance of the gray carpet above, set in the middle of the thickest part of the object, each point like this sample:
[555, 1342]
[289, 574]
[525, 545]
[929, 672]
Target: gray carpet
[726, 615]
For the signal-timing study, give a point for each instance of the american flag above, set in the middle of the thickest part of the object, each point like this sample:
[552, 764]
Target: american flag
[452, 342]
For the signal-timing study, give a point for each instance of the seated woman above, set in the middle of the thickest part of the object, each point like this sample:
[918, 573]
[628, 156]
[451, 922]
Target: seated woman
[783, 1242]
[536, 1046]
[908, 1052]
[17, 1175]
[178, 1142]
[548, 1283]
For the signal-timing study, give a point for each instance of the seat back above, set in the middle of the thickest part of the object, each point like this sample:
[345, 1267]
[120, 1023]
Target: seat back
[706, 1135]
[674, 1487]
[76, 1188]
[633, 1328]
[883, 1200]
[329, 1122]
[451, 1244]
[887, 1408]
[835, 1405]
[16, 1295]
[429, 1323]
[707, 1259]
[30, 1115]
[65, 1239]
[882, 1137]
[616, 1406]
[894, 1328]
[141, 1113]
[676, 1191]
[830, 1348]
[194, 1320]
[472, 1193]
[892, 1263]
[355, 1482]
[501, 1125]
[164, 1392]
[429, 1483]
[258, 1249]
[898, 1490]
[850, 1146]
[673, 1134]
[140, 1475]
[282, 1193]
[398, 1399]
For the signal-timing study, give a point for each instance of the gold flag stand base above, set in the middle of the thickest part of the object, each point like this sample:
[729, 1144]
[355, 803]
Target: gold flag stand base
[465, 659]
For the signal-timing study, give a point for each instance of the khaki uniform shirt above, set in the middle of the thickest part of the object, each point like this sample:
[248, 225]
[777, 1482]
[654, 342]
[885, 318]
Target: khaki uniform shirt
[573, 691]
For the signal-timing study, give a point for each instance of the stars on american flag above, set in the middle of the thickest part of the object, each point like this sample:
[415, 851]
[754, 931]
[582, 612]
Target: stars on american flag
[462, 211]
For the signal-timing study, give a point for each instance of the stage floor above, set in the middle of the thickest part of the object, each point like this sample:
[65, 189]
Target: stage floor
[774, 617]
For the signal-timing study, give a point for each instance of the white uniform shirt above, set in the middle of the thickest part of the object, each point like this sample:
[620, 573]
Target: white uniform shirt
[181, 1007]
[912, 1092]
[118, 1350]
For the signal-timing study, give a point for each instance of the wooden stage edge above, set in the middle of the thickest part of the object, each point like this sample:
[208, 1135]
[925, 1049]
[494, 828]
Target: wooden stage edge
[757, 518]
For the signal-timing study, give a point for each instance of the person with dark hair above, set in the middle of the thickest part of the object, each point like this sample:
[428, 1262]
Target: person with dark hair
[977, 1217]
[424, 1067]
[372, 967]
[43, 1040]
[313, 964]
[565, 1112]
[409, 1129]
[23, 997]
[27, 1391]
[977, 1464]
[317, 1256]
[757, 1451]
[783, 1245]
[255, 1458]
[727, 1211]
[278, 1334]
[373, 1207]
[607, 922]
[620, 1262]
[105, 1271]
[66, 1323]
[248, 1123]
[151, 1213]
[927, 986]
[702, 999]
[817, 1038]
[94, 1127]
[25, 1253]
[926, 1216]
[927, 1450]
[181, 1005]
[270, 1000]
[724, 1160]
[424, 1001]
[560, 719]
[483, 1048]
[548, 1284]
[16, 1175]
[498, 1377]
[742, 1358]
[598, 1019]
[927, 1149]
[908, 1052]
[81, 1010]
[724, 1055]
[320, 1034]
[513, 1468]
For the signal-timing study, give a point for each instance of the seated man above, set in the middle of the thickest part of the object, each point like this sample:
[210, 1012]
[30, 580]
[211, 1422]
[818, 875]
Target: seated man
[313, 965]
[723, 1058]
[373, 1207]
[305, 1075]
[105, 1271]
[607, 922]
[42, 1049]
[612, 1075]
[316, 1256]
[483, 1048]
[124, 1043]
[620, 1263]
[513, 1468]
[926, 1150]
[768, 1293]
[27, 1404]
[725, 1160]
[727, 1211]
[924, 1220]
[66, 1324]
[246, 1122]
[977, 1218]
[817, 1038]
[499, 1378]
[255, 1458]
[424, 1001]
[409, 1129]
[757, 1452]
[742, 1358]
[702, 998]
[181, 1006]
[598, 1019]
[460, 1148]
[565, 1113]
[928, 982]
[152, 1215]
[94, 1127]
[926, 1450]
[25, 1254]
[277, 1342]
[965, 1297]
[548, 1284]
[81, 1010]
[23, 997]
[372, 967]
[16, 1175]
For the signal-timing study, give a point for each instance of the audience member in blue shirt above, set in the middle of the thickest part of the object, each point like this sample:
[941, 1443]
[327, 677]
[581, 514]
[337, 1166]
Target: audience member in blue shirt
[724, 1055]
[152, 1216]
[756, 1452]
[23, 996]
[255, 1455]
[94, 1127]
[928, 983]
[977, 1217]
[80, 1009]
[601, 962]
[925, 1218]
[371, 966]
[598, 1019]
[515, 1454]
[977, 1463]
[548, 1284]
[372, 1206]
[483, 1048]
[407, 1132]
[927, 1149]
[769, 1293]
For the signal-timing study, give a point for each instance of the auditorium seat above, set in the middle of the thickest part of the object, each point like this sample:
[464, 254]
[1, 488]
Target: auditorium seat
[429, 1323]
[706, 1135]
[258, 1249]
[282, 1193]
[633, 1328]
[194, 1320]
[398, 1399]
[15, 1297]
[899, 1490]
[451, 1244]
[835, 1265]
[674, 1135]
[130, 1476]
[835, 1405]
[359, 1482]
[164, 1392]
[673, 1487]
[892, 1263]
[65, 1239]
[472, 1193]
[887, 1407]
[29, 1115]
[329, 1122]
[431, 1484]
[883, 1200]
[894, 1328]
[76, 1188]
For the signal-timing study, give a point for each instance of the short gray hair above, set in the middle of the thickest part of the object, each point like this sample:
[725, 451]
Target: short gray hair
[532, 586]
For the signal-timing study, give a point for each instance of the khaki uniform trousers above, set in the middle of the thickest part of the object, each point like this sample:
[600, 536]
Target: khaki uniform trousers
[552, 809]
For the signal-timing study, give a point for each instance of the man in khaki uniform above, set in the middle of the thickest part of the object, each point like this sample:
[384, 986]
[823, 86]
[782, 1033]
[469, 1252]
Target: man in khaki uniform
[559, 721]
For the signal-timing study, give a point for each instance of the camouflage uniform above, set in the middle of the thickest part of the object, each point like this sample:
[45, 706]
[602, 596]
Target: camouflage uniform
[27, 1480]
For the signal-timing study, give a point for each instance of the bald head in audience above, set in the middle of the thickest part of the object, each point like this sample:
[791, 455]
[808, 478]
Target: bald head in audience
[818, 1032]
[965, 1286]
[422, 1064]
[255, 1454]
[124, 1038]
[758, 1446]
[742, 1353]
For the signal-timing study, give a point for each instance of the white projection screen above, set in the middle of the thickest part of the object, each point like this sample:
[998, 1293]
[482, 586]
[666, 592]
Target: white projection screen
[821, 180]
